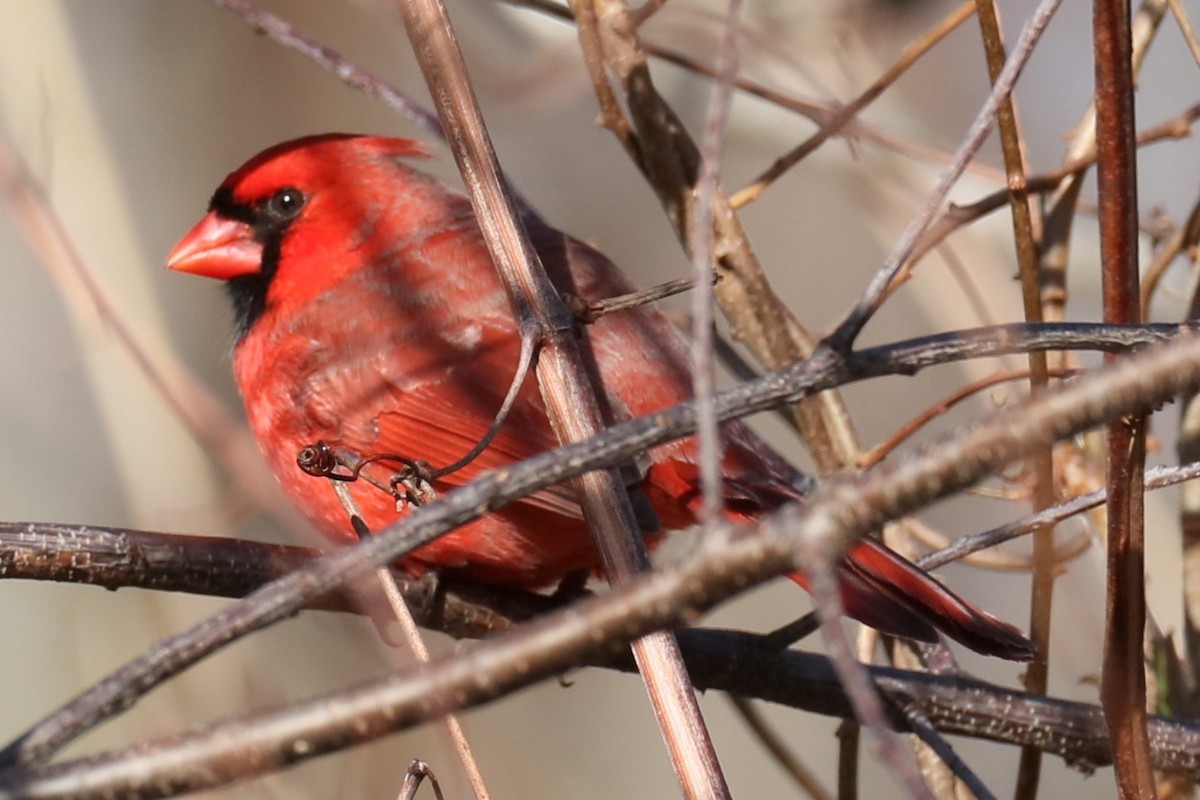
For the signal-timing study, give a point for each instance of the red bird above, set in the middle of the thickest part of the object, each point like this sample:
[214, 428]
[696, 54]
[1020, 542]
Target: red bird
[369, 317]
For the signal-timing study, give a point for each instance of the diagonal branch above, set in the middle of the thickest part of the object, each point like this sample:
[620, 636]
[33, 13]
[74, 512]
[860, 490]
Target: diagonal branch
[873, 296]
[726, 563]
[568, 391]
[619, 443]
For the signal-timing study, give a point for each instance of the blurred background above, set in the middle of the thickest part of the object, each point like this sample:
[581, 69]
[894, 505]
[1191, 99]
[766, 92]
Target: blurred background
[128, 114]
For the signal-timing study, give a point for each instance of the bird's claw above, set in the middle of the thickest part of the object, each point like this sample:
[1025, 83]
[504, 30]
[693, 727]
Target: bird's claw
[412, 485]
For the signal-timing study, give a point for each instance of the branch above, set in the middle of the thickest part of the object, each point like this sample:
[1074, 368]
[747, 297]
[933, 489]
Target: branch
[281, 32]
[875, 293]
[616, 445]
[726, 660]
[727, 562]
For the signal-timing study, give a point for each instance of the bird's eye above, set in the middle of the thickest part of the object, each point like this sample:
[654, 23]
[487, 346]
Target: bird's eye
[286, 203]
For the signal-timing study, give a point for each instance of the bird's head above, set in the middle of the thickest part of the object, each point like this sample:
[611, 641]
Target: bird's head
[298, 217]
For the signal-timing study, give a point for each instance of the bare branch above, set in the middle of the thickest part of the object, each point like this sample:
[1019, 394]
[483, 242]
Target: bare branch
[843, 338]
[567, 389]
[837, 514]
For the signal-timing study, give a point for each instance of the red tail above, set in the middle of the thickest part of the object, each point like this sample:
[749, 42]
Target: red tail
[882, 589]
[879, 587]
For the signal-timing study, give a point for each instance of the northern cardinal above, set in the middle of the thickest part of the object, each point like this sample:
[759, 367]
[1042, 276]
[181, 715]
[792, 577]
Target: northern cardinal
[369, 317]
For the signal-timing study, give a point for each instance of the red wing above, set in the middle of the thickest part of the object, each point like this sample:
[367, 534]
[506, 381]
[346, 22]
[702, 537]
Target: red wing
[443, 436]
[434, 405]
[674, 489]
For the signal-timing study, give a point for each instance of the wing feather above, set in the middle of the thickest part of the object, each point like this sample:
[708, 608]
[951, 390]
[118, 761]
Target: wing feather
[434, 406]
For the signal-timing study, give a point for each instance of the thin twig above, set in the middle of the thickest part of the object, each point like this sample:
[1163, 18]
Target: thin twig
[1065, 551]
[941, 407]
[932, 739]
[416, 644]
[1184, 240]
[1185, 27]
[849, 735]
[1049, 182]
[525, 362]
[799, 772]
[1026, 235]
[1187, 448]
[1155, 478]
[847, 330]
[588, 311]
[281, 32]
[700, 244]
[819, 568]
[913, 53]
[417, 772]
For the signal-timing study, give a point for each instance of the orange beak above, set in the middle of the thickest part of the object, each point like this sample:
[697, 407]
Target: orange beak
[217, 248]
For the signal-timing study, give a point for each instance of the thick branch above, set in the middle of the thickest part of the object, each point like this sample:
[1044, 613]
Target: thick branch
[728, 562]
[1008, 432]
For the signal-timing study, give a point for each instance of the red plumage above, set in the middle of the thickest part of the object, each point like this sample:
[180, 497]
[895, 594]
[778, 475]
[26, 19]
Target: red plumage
[370, 317]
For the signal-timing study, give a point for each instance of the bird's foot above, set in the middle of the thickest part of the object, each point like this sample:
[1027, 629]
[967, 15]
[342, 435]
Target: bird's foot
[412, 485]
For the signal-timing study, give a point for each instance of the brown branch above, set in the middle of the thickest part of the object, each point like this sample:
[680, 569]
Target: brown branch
[727, 562]
[1041, 463]
[1123, 682]
[850, 111]
[959, 216]
[124, 558]
[567, 389]
[121, 558]
[719, 659]
[842, 339]
[281, 32]
[117, 558]
[616, 445]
